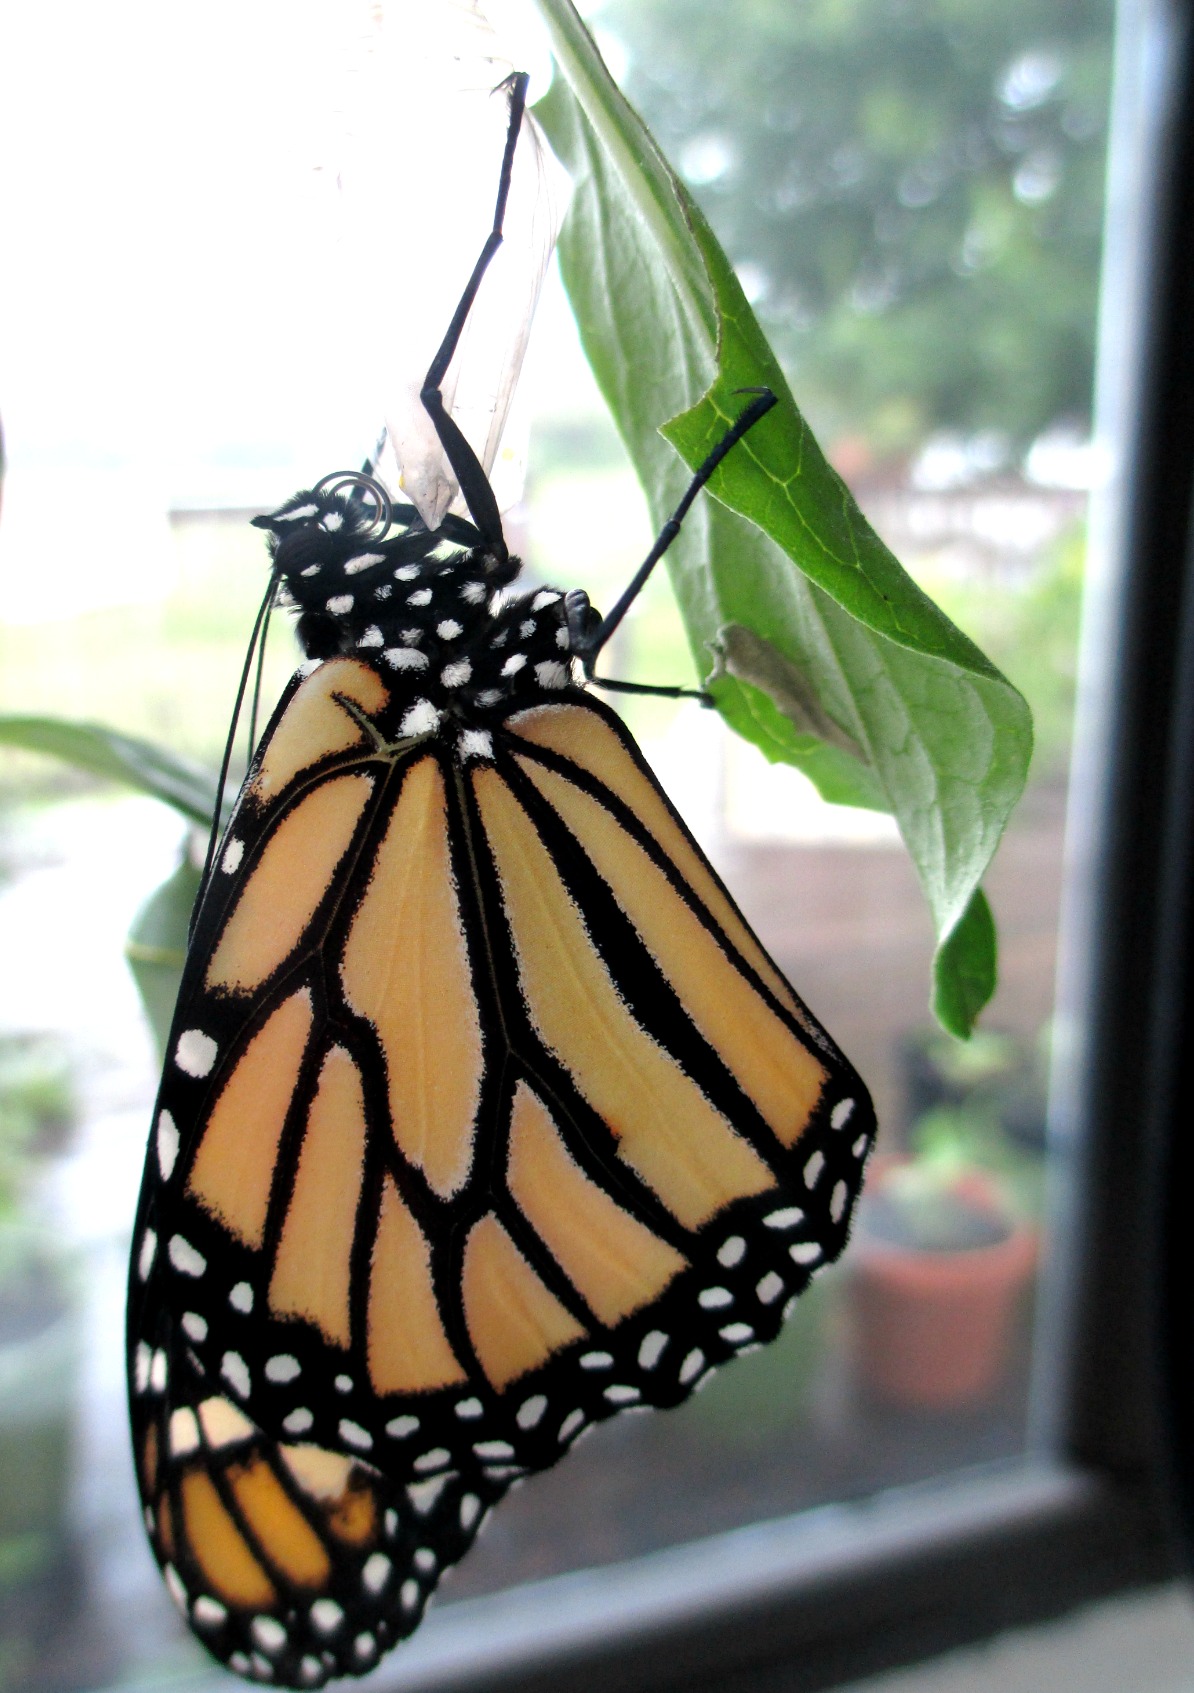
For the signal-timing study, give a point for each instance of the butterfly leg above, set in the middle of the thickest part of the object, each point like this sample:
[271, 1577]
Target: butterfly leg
[474, 484]
[589, 634]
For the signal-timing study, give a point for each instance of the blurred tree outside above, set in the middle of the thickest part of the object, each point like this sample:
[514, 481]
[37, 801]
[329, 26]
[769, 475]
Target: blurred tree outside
[911, 189]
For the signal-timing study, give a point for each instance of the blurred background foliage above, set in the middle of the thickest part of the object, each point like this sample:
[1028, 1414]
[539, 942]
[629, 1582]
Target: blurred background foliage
[911, 189]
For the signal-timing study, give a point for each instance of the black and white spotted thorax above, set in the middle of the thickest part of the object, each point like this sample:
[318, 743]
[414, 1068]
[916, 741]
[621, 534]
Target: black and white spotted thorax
[431, 611]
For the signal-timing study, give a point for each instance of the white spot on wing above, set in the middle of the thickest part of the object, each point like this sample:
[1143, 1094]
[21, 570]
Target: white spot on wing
[408, 1595]
[514, 664]
[236, 1373]
[785, 1219]
[841, 1113]
[142, 1358]
[167, 1144]
[837, 1204]
[208, 1612]
[425, 1560]
[231, 857]
[149, 1247]
[352, 1434]
[449, 629]
[376, 1572]
[737, 1333]
[339, 605]
[268, 1633]
[572, 1423]
[454, 675]
[241, 1298]
[282, 1367]
[401, 1428]
[326, 1616]
[184, 1432]
[470, 1510]
[174, 1582]
[652, 1349]
[619, 1395]
[530, 1412]
[185, 1258]
[195, 1053]
[715, 1298]
[423, 1494]
[812, 1170]
[551, 674]
[804, 1252]
[770, 1288]
[299, 1420]
[545, 597]
[372, 637]
[493, 1449]
[692, 1366]
[343, 1384]
[597, 1361]
[421, 596]
[194, 1326]
[469, 1409]
[362, 561]
[158, 1372]
[731, 1252]
[433, 1460]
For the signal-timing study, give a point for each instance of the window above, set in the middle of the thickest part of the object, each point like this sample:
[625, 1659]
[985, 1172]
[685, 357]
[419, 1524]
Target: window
[792, 1526]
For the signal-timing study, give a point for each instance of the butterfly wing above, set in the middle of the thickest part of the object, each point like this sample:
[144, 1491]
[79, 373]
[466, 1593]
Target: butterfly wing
[485, 1117]
[292, 1563]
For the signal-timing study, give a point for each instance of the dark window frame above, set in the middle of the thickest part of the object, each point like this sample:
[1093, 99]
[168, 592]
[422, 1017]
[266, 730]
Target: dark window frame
[809, 1602]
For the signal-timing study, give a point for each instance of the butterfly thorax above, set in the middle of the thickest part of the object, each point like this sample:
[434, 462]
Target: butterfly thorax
[429, 610]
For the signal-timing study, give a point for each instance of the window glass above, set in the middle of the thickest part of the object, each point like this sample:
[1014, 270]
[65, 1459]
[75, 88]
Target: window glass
[912, 192]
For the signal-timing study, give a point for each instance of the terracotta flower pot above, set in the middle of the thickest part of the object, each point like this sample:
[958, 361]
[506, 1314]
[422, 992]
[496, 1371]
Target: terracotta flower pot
[932, 1328]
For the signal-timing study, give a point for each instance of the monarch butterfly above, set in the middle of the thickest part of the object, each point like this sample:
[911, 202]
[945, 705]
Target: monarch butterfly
[485, 1116]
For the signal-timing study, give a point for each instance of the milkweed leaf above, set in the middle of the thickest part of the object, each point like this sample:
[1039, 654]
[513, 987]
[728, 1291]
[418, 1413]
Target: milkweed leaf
[913, 718]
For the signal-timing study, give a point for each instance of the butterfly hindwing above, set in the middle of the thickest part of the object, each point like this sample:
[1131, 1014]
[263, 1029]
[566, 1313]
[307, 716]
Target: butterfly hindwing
[292, 1563]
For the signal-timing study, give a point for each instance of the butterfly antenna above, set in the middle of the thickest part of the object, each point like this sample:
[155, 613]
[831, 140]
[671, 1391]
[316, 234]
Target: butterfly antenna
[263, 612]
[474, 484]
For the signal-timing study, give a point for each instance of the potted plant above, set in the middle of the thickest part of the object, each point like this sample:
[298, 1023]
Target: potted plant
[942, 1255]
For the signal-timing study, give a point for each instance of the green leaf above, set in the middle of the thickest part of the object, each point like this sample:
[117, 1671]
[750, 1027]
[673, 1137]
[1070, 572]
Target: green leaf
[820, 649]
[188, 787]
[157, 947]
[964, 972]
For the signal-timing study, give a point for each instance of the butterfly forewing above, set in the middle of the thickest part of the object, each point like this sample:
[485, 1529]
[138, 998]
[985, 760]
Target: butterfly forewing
[486, 1117]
